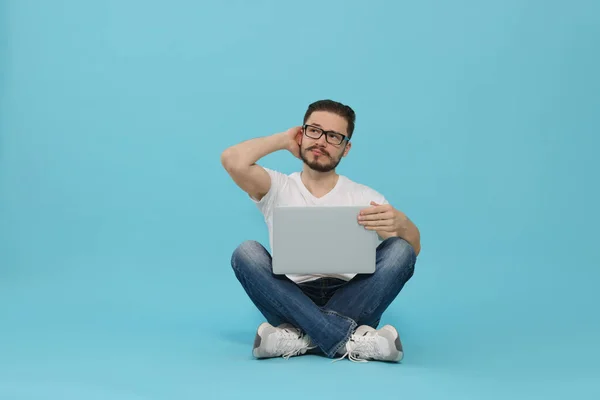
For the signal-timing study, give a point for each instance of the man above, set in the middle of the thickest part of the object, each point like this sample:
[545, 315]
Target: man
[333, 315]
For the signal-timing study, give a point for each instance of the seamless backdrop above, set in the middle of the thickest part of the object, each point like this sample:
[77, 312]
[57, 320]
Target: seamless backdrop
[478, 119]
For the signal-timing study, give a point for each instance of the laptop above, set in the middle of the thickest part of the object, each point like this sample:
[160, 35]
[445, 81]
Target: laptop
[322, 240]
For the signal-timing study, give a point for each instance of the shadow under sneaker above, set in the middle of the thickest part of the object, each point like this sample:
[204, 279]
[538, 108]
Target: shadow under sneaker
[367, 343]
[282, 341]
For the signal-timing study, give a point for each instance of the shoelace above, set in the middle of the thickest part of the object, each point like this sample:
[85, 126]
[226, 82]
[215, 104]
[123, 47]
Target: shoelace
[361, 347]
[292, 343]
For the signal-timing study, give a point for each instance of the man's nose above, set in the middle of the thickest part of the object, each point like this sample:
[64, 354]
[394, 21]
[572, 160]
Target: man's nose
[322, 141]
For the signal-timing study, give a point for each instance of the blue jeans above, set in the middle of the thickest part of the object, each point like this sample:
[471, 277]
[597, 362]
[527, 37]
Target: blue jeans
[328, 311]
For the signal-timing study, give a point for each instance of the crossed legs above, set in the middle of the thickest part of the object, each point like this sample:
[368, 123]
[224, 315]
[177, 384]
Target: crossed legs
[359, 302]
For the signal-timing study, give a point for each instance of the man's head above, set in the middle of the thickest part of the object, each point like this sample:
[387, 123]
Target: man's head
[328, 127]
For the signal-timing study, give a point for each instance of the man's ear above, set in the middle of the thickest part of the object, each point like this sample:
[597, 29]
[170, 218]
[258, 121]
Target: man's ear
[299, 137]
[347, 149]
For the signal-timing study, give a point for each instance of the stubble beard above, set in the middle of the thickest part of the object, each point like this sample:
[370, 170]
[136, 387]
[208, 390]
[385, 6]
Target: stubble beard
[317, 164]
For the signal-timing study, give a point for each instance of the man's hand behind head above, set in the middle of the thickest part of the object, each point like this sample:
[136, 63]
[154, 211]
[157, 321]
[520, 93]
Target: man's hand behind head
[293, 136]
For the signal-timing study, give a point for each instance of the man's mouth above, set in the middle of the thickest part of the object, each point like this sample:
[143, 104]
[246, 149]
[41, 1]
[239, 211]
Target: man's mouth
[318, 152]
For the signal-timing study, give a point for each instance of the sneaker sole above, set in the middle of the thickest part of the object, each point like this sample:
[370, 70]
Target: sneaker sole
[397, 342]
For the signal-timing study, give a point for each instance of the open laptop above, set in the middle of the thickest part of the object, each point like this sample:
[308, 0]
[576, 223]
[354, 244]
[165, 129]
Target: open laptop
[322, 240]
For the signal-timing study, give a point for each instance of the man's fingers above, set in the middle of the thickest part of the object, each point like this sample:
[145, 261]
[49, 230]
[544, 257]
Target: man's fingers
[376, 216]
[380, 228]
[378, 222]
[375, 209]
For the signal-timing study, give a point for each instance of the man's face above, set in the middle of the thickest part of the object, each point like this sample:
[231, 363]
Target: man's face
[319, 154]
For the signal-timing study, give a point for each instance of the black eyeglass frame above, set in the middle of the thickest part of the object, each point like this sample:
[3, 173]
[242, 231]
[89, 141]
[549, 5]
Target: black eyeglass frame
[324, 132]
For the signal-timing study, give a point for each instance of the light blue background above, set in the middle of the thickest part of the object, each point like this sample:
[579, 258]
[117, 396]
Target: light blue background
[478, 119]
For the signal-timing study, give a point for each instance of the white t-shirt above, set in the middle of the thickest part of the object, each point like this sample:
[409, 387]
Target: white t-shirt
[289, 190]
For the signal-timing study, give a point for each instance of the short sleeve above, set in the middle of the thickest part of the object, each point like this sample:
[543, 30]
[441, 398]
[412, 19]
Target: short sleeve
[278, 181]
[372, 195]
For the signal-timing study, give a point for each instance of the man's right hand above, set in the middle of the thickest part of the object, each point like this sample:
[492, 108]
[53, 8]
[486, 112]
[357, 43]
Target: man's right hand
[293, 134]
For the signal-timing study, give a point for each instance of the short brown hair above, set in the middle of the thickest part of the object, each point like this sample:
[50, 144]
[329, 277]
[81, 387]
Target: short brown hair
[334, 107]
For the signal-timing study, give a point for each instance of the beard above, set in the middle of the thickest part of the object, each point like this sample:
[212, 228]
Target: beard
[323, 163]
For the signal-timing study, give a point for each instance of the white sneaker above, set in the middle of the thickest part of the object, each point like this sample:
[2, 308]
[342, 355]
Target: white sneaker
[282, 341]
[367, 343]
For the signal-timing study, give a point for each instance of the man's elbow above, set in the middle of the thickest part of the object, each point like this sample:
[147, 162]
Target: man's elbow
[229, 159]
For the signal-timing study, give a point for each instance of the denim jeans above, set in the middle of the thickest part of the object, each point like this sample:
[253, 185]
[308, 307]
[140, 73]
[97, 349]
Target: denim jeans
[328, 311]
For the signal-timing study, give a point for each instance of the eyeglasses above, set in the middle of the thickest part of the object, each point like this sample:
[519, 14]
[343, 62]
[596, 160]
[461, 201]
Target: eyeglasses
[332, 137]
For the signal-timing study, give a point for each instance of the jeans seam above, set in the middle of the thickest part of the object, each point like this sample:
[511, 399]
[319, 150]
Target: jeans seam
[410, 267]
[351, 329]
[266, 294]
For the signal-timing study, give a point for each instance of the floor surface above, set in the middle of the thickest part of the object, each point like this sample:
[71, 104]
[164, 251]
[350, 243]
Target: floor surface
[133, 331]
